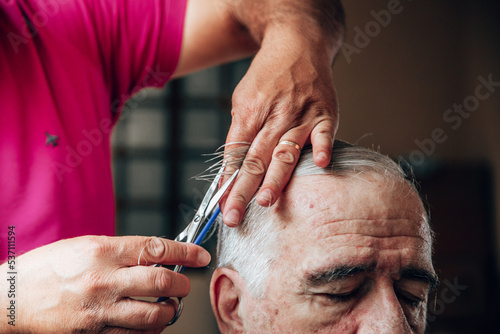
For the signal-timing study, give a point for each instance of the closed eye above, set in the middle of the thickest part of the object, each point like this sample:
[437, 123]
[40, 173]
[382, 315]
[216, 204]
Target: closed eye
[342, 297]
[409, 299]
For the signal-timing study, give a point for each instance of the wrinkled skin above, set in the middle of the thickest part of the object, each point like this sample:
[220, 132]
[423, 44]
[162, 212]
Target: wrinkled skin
[330, 223]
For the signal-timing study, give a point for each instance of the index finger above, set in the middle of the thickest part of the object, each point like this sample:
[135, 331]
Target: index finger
[252, 171]
[135, 250]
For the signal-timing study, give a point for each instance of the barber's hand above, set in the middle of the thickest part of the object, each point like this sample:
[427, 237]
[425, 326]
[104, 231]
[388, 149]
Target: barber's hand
[85, 284]
[287, 94]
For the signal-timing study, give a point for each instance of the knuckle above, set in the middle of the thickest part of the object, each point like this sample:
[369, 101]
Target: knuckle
[94, 283]
[274, 184]
[95, 246]
[92, 312]
[161, 281]
[284, 155]
[240, 97]
[187, 253]
[324, 141]
[322, 112]
[254, 166]
[326, 126]
[326, 130]
[240, 197]
[245, 123]
[153, 316]
[156, 248]
[91, 308]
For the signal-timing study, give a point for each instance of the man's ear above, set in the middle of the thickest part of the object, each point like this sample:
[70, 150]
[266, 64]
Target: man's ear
[225, 296]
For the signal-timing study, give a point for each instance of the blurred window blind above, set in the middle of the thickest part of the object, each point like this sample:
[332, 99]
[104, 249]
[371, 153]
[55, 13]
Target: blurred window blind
[158, 146]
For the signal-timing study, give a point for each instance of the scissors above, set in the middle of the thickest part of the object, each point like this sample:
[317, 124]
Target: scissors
[192, 234]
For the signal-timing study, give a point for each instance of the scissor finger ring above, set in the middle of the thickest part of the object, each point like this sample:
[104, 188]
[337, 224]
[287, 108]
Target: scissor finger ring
[178, 312]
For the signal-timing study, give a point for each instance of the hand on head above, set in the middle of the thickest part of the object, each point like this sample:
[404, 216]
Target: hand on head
[279, 107]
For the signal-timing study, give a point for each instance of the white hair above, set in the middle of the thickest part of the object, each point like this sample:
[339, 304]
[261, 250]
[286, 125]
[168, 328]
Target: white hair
[252, 248]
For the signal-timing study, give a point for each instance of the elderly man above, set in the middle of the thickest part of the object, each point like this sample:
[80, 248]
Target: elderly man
[346, 249]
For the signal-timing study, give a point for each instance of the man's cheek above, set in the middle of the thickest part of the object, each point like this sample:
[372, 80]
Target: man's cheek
[262, 316]
[304, 314]
[417, 318]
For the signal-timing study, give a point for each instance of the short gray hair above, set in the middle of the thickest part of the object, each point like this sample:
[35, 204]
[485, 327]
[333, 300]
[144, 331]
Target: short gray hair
[252, 247]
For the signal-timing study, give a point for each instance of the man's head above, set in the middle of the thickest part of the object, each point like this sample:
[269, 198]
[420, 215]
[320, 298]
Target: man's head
[346, 249]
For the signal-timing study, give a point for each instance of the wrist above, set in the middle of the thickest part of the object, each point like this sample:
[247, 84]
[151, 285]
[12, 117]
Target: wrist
[320, 24]
[310, 36]
[288, 43]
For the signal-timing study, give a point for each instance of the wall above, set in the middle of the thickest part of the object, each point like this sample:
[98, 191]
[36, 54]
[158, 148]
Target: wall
[395, 89]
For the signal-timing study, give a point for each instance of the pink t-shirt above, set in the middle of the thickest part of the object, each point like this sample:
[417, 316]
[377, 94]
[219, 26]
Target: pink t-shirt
[66, 68]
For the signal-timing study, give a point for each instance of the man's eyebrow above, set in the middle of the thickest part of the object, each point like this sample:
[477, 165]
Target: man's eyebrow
[422, 275]
[325, 276]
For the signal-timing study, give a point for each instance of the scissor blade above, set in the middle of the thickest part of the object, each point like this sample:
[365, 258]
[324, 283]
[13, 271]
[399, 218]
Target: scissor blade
[190, 232]
[215, 200]
[213, 186]
[210, 207]
[187, 234]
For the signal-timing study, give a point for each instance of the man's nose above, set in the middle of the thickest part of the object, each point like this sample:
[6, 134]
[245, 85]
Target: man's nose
[384, 315]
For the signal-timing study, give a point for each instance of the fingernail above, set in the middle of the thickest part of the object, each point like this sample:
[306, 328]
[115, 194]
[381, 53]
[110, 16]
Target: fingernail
[266, 195]
[232, 217]
[204, 257]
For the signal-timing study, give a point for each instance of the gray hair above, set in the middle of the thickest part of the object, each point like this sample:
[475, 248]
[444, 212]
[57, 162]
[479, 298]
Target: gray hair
[251, 248]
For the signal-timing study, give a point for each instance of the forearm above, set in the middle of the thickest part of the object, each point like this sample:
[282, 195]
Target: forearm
[321, 22]
[219, 31]
[212, 36]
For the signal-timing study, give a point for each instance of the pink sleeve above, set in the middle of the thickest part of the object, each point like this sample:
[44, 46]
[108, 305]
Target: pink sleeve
[140, 41]
[65, 67]
[132, 43]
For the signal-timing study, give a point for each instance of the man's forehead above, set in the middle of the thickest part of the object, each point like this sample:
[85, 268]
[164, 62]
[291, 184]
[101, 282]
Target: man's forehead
[311, 201]
[354, 219]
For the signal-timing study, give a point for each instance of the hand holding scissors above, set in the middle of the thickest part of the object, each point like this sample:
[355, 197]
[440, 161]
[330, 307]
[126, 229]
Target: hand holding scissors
[191, 234]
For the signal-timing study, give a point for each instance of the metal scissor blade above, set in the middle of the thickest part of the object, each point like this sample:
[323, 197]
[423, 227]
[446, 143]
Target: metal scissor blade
[213, 186]
[190, 232]
[215, 200]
